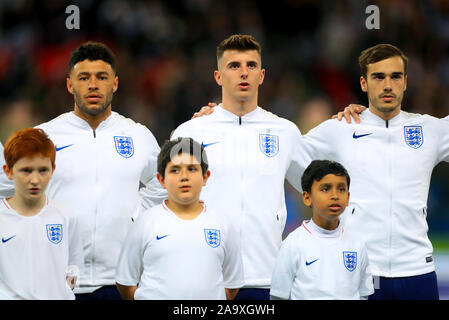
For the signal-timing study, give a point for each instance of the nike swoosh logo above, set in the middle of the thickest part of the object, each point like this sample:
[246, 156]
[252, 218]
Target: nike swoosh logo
[361, 135]
[159, 238]
[6, 240]
[309, 263]
[60, 148]
[204, 145]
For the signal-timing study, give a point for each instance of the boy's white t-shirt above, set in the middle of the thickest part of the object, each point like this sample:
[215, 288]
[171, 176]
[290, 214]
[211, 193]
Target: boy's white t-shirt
[36, 251]
[314, 263]
[171, 258]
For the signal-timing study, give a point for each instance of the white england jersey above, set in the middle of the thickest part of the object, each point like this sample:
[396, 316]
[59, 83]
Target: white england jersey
[249, 159]
[390, 164]
[97, 177]
[6, 185]
[313, 266]
[171, 258]
[36, 251]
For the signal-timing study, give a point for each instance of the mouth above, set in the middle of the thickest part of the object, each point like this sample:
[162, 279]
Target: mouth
[185, 188]
[34, 190]
[335, 207]
[94, 98]
[244, 85]
[387, 97]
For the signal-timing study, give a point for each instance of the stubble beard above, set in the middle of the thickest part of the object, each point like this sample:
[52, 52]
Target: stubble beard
[100, 109]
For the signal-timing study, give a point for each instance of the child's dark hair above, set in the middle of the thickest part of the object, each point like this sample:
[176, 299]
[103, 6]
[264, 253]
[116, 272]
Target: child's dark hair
[178, 146]
[317, 169]
[92, 51]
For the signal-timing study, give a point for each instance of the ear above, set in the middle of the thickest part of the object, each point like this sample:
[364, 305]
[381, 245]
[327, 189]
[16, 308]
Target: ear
[363, 84]
[115, 86]
[217, 77]
[206, 177]
[405, 79]
[262, 76]
[8, 172]
[161, 180]
[69, 85]
[307, 199]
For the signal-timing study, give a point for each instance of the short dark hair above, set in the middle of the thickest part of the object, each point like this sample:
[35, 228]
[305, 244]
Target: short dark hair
[92, 51]
[238, 42]
[317, 169]
[178, 146]
[378, 53]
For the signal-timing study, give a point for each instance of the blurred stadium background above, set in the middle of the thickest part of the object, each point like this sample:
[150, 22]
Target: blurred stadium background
[166, 58]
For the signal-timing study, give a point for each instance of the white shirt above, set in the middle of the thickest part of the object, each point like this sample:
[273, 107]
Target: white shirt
[390, 165]
[249, 159]
[97, 176]
[36, 251]
[172, 258]
[313, 264]
[6, 186]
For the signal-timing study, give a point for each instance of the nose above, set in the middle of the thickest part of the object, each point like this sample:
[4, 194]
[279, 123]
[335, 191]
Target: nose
[244, 72]
[387, 84]
[34, 178]
[334, 195]
[184, 175]
[93, 83]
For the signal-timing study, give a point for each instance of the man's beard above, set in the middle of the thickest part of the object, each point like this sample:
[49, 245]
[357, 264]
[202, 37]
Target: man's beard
[101, 108]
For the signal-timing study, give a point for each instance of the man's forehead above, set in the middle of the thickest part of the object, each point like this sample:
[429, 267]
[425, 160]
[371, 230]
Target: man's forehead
[389, 65]
[92, 66]
[240, 55]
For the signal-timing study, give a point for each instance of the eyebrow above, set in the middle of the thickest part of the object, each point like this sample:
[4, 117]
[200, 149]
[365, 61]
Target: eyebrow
[238, 62]
[397, 73]
[86, 73]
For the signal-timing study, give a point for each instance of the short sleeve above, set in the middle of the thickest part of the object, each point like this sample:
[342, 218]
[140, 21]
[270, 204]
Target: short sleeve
[76, 254]
[285, 269]
[6, 185]
[366, 287]
[232, 264]
[129, 266]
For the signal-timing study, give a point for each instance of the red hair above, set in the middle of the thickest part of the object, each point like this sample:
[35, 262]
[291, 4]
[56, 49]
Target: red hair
[28, 142]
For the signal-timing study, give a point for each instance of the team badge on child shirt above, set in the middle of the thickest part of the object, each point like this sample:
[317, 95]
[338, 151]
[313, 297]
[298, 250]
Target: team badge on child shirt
[413, 136]
[212, 237]
[54, 233]
[124, 146]
[350, 260]
[269, 144]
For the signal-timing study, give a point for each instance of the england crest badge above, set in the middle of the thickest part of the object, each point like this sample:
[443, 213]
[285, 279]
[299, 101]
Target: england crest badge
[414, 137]
[269, 144]
[350, 260]
[212, 237]
[124, 146]
[54, 233]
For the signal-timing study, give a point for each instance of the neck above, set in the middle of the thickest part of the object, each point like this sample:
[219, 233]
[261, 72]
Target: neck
[327, 224]
[25, 207]
[185, 211]
[239, 107]
[385, 115]
[93, 120]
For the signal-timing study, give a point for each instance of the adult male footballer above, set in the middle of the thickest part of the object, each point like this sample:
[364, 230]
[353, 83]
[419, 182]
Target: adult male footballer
[251, 152]
[102, 157]
[390, 155]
